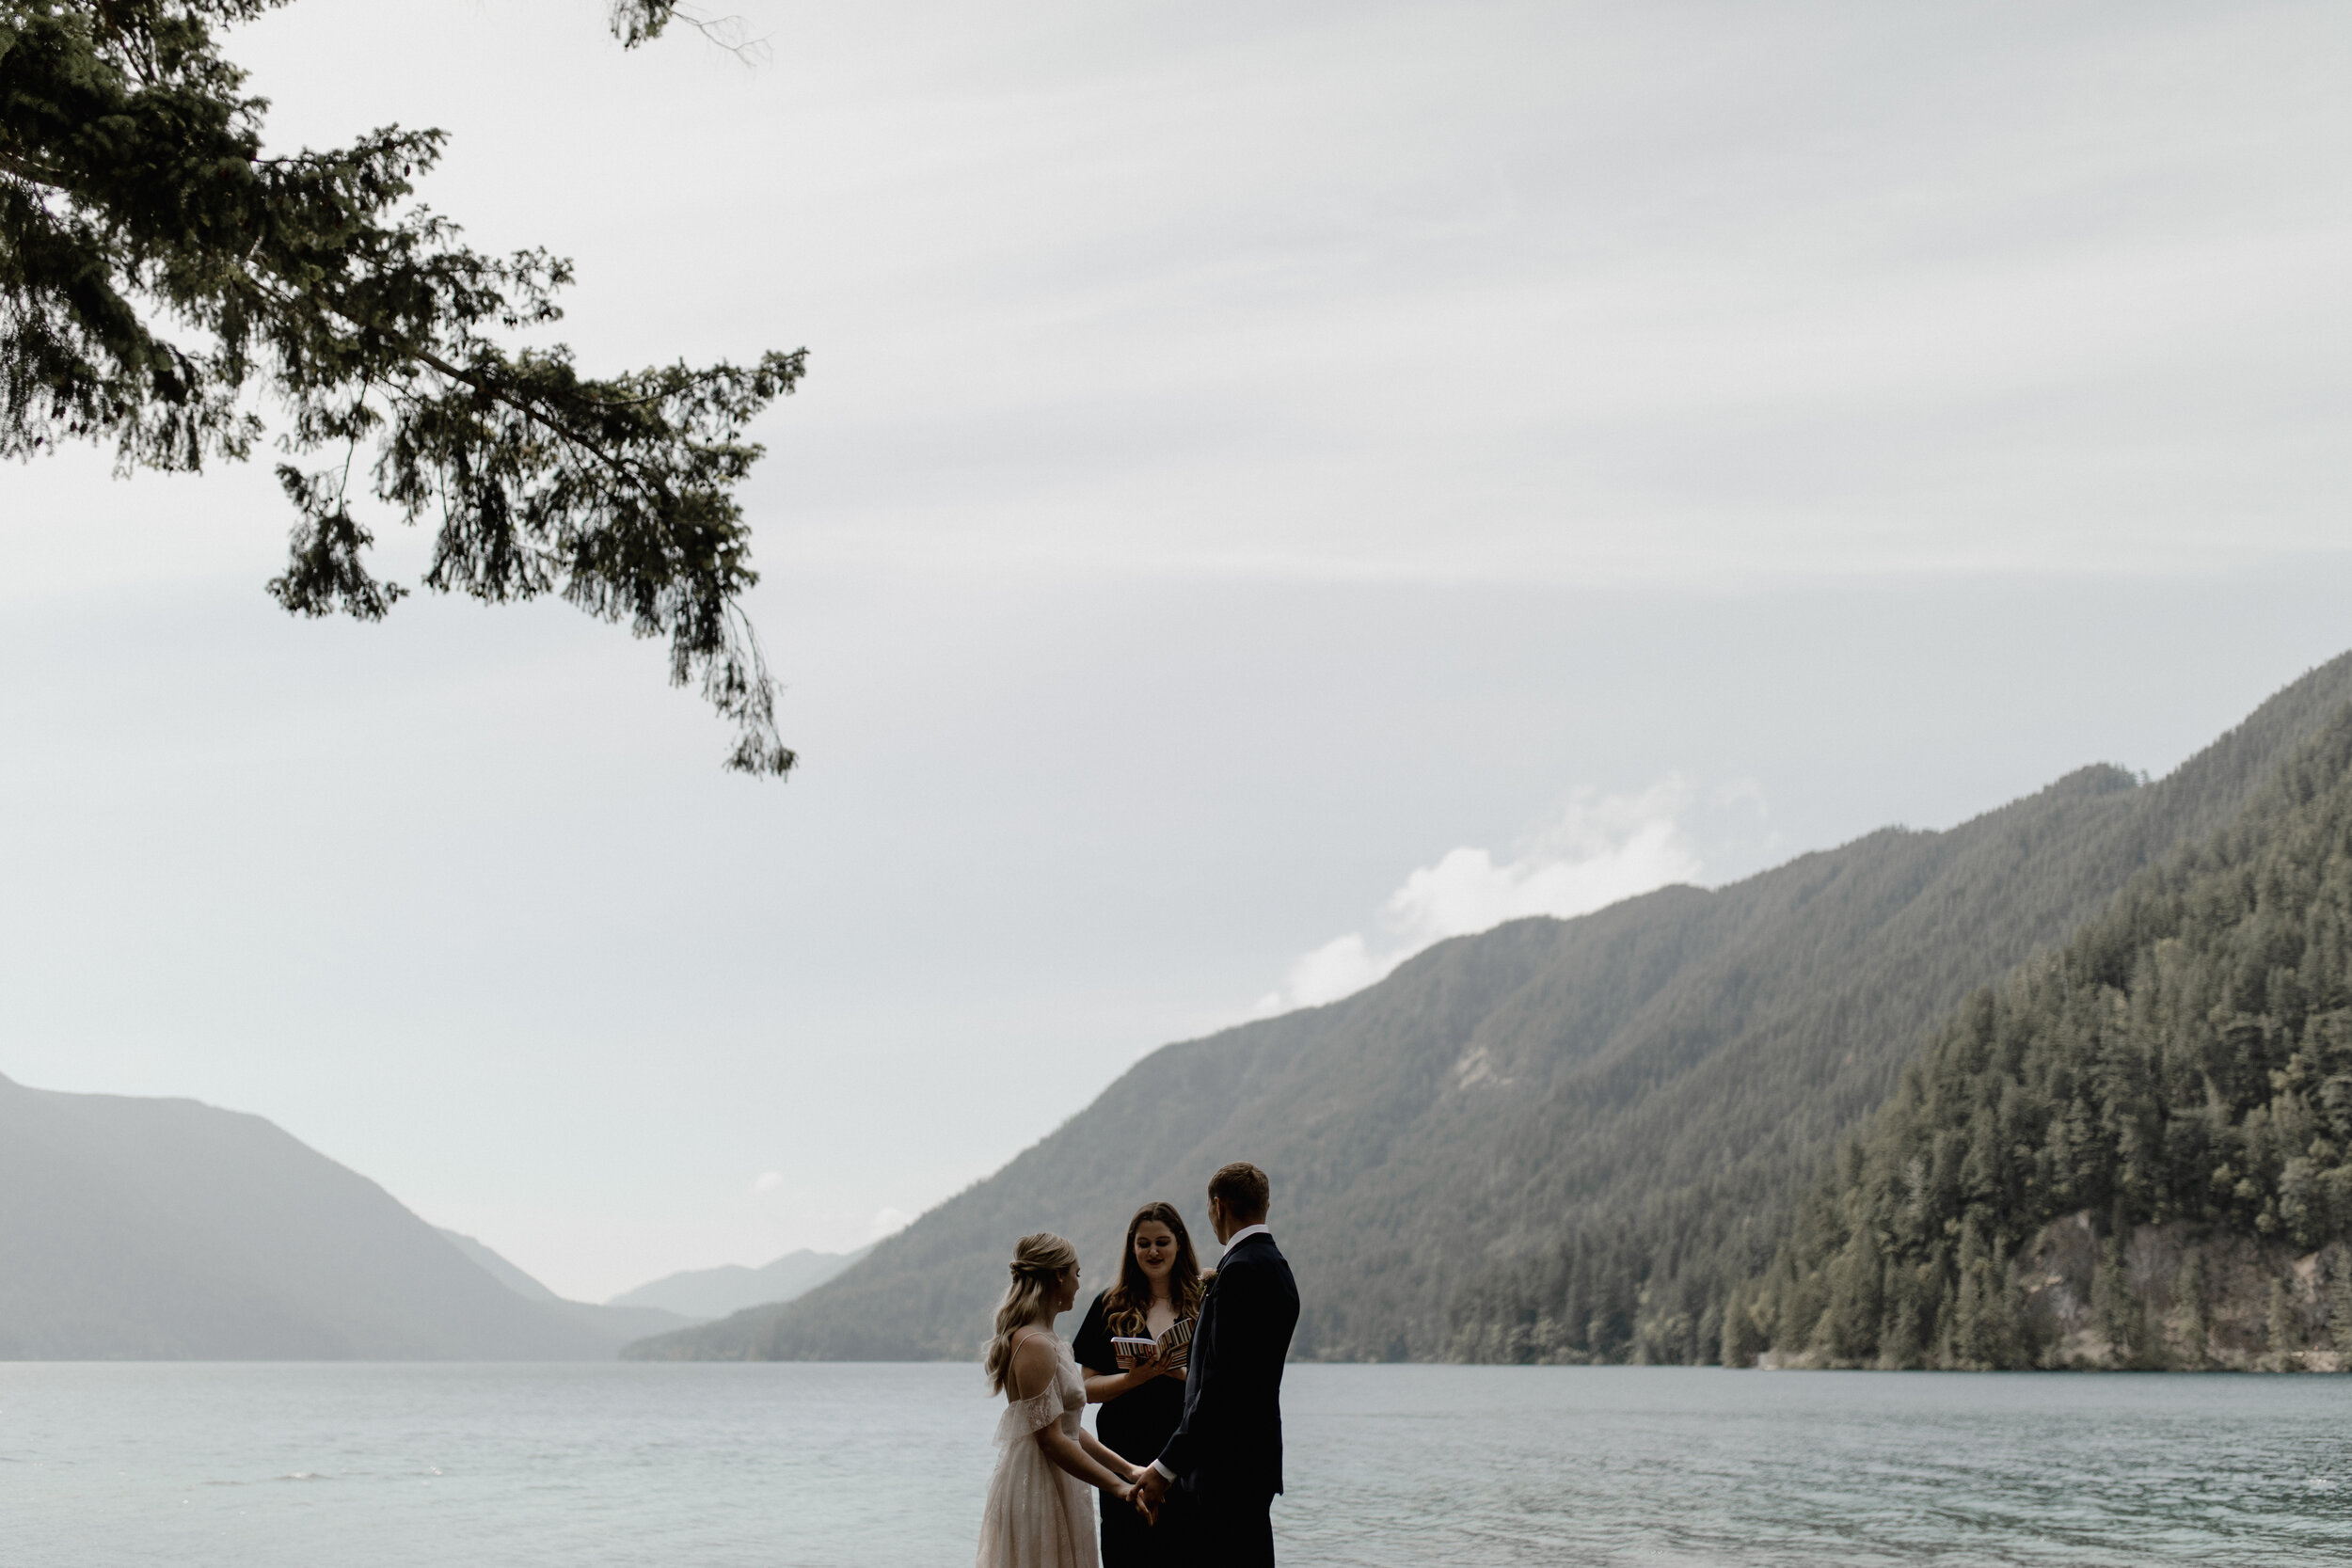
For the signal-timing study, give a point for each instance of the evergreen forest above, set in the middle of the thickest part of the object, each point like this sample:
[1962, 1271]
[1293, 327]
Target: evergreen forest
[2177, 1080]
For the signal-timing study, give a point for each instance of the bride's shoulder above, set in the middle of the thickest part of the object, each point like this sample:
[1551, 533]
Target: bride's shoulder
[1034, 1364]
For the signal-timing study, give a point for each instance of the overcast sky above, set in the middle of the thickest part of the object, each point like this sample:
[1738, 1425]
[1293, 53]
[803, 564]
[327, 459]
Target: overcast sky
[1276, 485]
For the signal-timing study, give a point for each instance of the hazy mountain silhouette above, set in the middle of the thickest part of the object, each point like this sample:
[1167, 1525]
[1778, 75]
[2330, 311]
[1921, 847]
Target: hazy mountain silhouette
[163, 1228]
[705, 1294]
[497, 1267]
[1609, 1117]
[616, 1323]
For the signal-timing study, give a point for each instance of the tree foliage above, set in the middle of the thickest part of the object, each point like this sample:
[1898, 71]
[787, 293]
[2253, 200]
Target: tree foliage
[1675, 1181]
[2185, 1061]
[165, 281]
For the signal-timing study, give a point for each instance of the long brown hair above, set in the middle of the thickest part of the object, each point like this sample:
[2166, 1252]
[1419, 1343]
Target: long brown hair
[1036, 1259]
[1126, 1303]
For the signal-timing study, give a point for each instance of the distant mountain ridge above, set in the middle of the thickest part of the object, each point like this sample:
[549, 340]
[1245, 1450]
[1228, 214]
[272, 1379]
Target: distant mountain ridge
[135, 1229]
[617, 1323]
[497, 1267]
[1565, 1138]
[715, 1293]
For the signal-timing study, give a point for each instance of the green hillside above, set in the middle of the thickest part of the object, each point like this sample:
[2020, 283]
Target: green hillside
[2173, 1086]
[1559, 1139]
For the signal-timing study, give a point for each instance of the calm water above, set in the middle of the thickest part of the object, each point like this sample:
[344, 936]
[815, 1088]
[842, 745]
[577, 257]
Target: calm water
[716, 1466]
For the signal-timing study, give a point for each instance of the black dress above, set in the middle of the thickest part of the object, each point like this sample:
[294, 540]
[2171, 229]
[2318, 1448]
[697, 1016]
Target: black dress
[1136, 1426]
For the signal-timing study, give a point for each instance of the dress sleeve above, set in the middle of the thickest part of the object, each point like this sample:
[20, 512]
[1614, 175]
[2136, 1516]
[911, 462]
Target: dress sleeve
[1026, 1418]
[1092, 1349]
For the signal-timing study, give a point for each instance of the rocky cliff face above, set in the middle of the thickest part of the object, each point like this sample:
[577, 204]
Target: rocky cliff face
[2184, 1297]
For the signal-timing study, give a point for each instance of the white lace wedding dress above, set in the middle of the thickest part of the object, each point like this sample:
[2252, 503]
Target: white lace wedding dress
[1039, 1515]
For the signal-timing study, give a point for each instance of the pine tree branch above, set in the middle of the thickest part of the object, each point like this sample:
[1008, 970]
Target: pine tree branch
[133, 188]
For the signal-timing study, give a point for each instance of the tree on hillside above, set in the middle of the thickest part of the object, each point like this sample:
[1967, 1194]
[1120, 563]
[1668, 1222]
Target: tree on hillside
[2183, 1060]
[163, 281]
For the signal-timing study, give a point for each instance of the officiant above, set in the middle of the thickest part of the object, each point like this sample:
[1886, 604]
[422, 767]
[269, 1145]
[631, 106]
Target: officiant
[1139, 1386]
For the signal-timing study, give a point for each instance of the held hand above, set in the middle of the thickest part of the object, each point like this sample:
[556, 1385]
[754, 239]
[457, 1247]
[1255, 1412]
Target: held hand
[1150, 1490]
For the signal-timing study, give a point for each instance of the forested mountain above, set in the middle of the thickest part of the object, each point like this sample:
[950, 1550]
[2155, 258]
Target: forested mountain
[135, 1229]
[2174, 1087]
[1558, 1140]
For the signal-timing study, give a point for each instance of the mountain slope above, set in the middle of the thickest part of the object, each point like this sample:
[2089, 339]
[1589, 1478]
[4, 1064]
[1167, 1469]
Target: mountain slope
[497, 1267]
[615, 1325]
[1565, 1139]
[731, 1287]
[162, 1229]
[2176, 1081]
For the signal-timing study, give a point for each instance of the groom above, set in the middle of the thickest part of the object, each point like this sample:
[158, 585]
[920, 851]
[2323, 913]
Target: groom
[1227, 1453]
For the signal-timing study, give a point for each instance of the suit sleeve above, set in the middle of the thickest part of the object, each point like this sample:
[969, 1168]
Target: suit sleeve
[1240, 1303]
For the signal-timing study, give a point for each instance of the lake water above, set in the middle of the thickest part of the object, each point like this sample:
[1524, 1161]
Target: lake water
[878, 1466]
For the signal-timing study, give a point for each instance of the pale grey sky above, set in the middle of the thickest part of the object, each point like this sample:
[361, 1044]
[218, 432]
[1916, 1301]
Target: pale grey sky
[1251, 454]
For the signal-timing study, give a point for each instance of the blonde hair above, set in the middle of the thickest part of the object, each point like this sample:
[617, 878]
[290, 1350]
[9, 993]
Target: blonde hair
[1035, 1262]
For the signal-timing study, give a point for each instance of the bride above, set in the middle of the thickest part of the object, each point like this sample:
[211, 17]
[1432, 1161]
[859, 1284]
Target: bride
[1039, 1514]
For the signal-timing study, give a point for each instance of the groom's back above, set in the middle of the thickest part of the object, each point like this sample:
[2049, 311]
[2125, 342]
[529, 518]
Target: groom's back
[1251, 1316]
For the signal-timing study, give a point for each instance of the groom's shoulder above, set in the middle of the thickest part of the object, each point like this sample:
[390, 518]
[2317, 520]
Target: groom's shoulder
[1261, 1276]
[1256, 1252]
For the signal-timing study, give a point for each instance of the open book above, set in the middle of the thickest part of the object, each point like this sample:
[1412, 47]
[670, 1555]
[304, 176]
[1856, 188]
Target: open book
[1176, 1343]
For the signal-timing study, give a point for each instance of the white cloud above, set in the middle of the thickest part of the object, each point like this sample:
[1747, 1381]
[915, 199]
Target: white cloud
[1599, 849]
[827, 1218]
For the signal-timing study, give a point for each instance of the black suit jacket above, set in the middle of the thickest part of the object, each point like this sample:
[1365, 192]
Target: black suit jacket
[1230, 1438]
